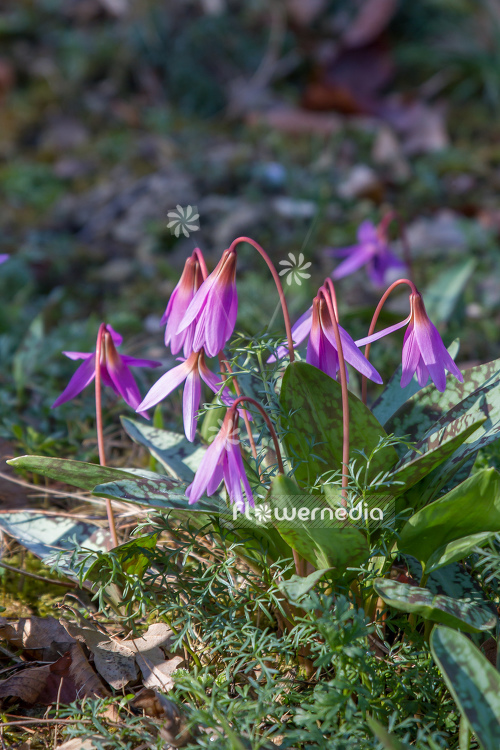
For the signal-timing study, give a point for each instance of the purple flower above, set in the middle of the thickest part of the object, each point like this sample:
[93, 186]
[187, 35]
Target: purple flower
[300, 331]
[423, 350]
[178, 304]
[4, 257]
[223, 461]
[214, 307]
[115, 371]
[322, 346]
[193, 370]
[372, 250]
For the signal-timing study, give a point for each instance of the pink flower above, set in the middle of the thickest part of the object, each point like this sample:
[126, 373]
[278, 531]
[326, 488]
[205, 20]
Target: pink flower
[322, 346]
[4, 257]
[178, 304]
[371, 250]
[193, 370]
[115, 371]
[423, 350]
[223, 461]
[214, 307]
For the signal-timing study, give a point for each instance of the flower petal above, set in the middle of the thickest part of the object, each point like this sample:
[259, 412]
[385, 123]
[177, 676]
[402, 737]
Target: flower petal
[209, 472]
[410, 356]
[358, 258]
[382, 333]
[134, 362]
[78, 355]
[123, 381]
[80, 380]
[191, 403]
[165, 385]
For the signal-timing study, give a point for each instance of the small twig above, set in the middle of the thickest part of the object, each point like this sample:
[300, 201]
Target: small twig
[44, 721]
[68, 584]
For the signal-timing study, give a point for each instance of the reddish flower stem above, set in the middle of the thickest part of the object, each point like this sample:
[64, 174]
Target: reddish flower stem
[329, 299]
[201, 260]
[374, 323]
[99, 428]
[268, 422]
[277, 281]
[245, 414]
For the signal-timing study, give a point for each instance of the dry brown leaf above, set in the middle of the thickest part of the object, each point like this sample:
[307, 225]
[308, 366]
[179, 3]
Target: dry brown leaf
[26, 685]
[158, 674]
[78, 743]
[156, 635]
[172, 726]
[84, 677]
[44, 638]
[114, 662]
[295, 121]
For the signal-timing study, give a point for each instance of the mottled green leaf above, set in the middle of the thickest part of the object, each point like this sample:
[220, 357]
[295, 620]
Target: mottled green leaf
[328, 546]
[312, 405]
[456, 550]
[473, 682]
[296, 587]
[393, 396]
[77, 473]
[432, 451]
[178, 456]
[467, 616]
[132, 556]
[473, 507]
[418, 415]
[159, 493]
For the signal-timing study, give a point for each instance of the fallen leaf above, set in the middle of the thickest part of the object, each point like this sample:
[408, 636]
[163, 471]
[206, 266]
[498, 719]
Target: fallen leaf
[114, 662]
[59, 687]
[295, 121]
[158, 674]
[43, 638]
[155, 705]
[158, 634]
[78, 743]
[84, 677]
[26, 685]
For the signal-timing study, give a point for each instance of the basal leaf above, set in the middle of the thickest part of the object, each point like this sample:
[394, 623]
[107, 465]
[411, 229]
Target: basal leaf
[159, 493]
[77, 473]
[312, 405]
[179, 457]
[464, 615]
[473, 507]
[473, 682]
[296, 587]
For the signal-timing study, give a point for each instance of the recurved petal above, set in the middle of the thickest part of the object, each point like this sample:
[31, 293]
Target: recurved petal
[80, 380]
[360, 255]
[165, 385]
[134, 362]
[382, 333]
[367, 233]
[191, 403]
[117, 338]
[122, 380]
[78, 355]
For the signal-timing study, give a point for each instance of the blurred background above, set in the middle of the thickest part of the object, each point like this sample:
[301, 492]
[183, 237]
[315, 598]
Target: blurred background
[291, 121]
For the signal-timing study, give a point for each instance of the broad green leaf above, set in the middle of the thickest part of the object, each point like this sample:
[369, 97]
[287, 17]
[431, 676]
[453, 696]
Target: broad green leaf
[387, 739]
[212, 422]
[451, 580]
[418, 415]
[179, 457]
[471, 508]
[473, 682]
[393, 396]
[43, 535]
[442, 295]
[445, 610]
[296, 587]
[77, 473]
[312, 405]
[456, 550]
[159, 493]
[432, 451]
[132, 556]
[327, 546]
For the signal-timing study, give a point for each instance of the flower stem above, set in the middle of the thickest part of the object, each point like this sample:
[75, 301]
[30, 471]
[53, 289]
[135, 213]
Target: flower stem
[201, 260]
[331, 303]
[245, 414]
[100, 433]
[269, 424]
[279, 287]
[380, 305]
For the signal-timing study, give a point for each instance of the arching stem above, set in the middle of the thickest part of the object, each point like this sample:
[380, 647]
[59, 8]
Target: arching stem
[279, 287]
[201, 260]
[329, 299]
[269, 424]
[248, 426]
[99, 428]
[374, 323]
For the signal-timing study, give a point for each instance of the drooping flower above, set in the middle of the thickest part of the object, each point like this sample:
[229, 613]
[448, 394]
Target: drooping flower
[372, 250]
[322, 346]
[193, 370]
[214, 307]
[300, 331]
[178, 304]
[223, 461]
[423, 350]
[115, 371]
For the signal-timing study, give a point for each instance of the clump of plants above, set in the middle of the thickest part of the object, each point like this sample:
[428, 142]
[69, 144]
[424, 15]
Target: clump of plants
[318, 554]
